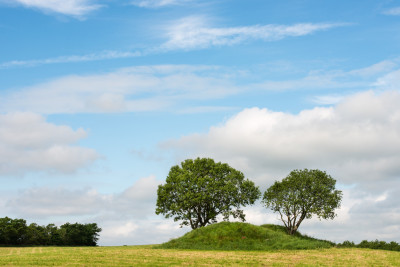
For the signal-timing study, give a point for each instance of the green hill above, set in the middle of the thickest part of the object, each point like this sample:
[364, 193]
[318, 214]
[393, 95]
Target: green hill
[243, 236]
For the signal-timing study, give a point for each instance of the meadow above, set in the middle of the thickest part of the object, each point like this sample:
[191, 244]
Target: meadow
[148, 256]
[221, 244]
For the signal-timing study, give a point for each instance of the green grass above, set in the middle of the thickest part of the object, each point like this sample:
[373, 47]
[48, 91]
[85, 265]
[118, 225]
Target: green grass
[244, 236]
[222, 244]
[147, 256]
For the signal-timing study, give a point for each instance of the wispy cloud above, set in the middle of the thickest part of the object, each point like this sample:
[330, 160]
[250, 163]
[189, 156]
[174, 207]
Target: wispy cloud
[159, 3]
[190, 33]
[195, 33]
[395, 11]
[126, 90]
[77, 8]
[327, 99]
[382, 75]
[70, 59]
[186, 88]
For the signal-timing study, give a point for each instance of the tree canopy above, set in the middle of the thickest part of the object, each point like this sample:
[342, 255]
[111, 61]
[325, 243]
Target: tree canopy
[302, 194]
[199, 190]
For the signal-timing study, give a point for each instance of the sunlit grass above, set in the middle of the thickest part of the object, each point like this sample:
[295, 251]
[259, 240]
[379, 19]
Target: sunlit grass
[224, 244]
[148, 256]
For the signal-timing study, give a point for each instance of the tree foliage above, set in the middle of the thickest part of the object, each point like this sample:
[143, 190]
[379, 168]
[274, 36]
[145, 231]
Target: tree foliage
[302, 194]
[199, 190]
[15, 232]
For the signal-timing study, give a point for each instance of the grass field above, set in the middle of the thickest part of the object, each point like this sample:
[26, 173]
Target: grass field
[148, 256]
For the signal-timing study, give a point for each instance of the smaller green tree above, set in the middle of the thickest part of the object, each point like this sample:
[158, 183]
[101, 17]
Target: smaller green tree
[302, 194]
[199, 190]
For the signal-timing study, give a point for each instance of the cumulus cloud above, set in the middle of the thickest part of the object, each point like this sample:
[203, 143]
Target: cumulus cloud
[29, 143]
[76, 8]
[363, 215]
[195, 33]
[357, 140]
[125, 90]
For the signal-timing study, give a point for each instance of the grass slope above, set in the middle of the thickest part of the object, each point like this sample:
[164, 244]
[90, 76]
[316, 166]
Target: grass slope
[243, 236]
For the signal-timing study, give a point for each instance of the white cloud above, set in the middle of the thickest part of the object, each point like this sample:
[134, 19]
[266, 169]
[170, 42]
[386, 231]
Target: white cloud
[127, 217]
[137, 201]
[121, 230]
[357, 140]
[159, 3]
[395, 11]
[76, 8]
[195, 33]
[139, 232]
[45, 202]
[125, 90]
[29, 143]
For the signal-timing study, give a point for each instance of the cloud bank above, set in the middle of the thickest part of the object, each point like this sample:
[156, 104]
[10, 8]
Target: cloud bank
[358, 140]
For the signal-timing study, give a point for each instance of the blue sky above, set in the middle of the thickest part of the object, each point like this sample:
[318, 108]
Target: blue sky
[98, 99]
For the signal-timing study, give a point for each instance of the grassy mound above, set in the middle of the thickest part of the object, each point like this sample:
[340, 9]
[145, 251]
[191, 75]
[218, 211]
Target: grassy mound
[243, 236]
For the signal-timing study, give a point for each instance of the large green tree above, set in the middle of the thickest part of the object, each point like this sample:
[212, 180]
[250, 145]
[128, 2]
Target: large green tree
[199, 190]
[302, 194]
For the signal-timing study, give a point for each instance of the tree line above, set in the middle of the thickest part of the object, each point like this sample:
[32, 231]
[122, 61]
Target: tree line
[394, 246]
[15, 232]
